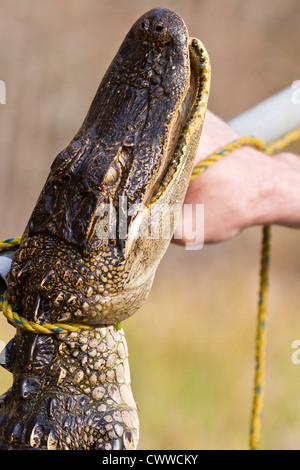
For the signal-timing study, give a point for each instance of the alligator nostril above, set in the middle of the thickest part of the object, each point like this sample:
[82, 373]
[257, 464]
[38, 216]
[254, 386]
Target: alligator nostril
[144, 25]
[159, 28]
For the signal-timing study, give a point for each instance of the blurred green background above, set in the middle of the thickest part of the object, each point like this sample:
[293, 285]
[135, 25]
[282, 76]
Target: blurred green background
[192, 344]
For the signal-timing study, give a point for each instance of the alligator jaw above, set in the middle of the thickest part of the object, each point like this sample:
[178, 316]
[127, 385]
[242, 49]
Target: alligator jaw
[165, 203]
[195, 99]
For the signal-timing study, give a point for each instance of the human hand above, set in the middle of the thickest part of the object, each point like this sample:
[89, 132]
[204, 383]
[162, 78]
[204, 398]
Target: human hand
[244, 189]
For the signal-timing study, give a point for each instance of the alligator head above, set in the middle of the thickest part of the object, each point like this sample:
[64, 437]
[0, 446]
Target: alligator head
[109, 206]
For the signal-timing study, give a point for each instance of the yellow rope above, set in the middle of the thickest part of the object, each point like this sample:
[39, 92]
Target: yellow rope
[44, 328]
[283, 142]
[261, 342]
[9, 243]
[262, 316]
[224, 151]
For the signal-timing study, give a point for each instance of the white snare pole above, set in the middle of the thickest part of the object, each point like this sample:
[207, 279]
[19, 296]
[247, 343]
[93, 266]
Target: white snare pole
[272, 118]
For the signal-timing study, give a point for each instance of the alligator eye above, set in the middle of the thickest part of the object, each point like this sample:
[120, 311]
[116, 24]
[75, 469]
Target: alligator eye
[112, 176]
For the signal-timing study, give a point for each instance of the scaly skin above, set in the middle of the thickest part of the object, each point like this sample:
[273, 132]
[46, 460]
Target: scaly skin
[136, 147]
[88, 402]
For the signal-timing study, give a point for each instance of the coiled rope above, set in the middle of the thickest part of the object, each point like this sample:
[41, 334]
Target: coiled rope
[42, 328]
[261, 330]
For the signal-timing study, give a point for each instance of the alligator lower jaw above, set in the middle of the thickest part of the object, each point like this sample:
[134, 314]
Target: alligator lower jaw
[172, 157]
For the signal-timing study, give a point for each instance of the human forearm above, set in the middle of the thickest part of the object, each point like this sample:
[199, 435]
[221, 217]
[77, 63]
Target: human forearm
[284, 208]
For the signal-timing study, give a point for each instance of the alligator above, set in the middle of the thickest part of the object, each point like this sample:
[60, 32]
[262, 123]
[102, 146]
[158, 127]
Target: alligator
[88, 254]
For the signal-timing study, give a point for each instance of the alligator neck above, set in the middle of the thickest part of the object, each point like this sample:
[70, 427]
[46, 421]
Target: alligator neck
[72, 391]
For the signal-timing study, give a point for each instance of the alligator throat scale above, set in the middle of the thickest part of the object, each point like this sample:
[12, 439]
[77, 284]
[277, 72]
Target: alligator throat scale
[83, 259]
